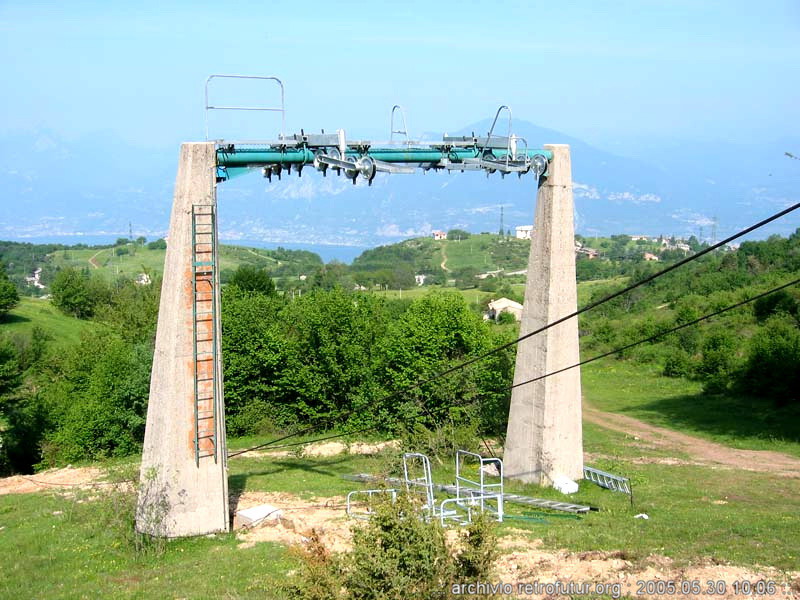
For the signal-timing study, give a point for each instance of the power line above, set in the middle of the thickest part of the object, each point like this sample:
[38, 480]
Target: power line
[613, 295]
[588, 307]
[581, 363]
[657, 335]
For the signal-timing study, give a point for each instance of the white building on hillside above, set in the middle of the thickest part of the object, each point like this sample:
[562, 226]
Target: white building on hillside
[496, 307]
[439, 235]
[524, 232]
[36, 279]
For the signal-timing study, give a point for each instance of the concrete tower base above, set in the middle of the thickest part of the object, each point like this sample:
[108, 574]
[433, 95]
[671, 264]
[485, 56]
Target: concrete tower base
[545, 436]
[182, 495]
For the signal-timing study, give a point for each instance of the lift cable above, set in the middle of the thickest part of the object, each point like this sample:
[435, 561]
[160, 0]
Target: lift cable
[588, 307]
[607, 298]
[550, 374]
[657, 335]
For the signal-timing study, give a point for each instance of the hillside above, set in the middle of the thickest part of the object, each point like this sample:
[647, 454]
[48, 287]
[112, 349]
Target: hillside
[477, 253]
[468, 258]
[130, 259]
[33, 313]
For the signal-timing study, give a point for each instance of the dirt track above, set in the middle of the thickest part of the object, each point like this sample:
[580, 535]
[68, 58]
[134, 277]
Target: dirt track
[700, 451]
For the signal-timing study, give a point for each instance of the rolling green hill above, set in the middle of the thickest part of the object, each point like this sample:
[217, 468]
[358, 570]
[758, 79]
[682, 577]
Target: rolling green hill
[35, 312]
[482, 252]
[131, 259]
[110, 262]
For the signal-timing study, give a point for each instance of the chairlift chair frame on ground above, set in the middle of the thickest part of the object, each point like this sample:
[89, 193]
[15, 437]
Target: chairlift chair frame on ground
[472, 495]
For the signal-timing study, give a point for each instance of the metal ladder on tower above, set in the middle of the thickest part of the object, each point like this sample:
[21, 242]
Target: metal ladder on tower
[204, 321]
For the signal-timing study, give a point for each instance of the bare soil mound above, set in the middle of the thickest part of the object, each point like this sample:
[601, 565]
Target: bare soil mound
[68, 477]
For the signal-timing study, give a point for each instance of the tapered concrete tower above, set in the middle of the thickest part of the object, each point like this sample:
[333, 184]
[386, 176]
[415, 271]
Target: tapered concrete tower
[545, 436]
[184, 482]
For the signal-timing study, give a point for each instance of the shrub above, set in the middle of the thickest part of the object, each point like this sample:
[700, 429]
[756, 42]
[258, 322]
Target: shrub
[72, 294]
[8, 293]
[98, 400]
[159, 244]
[399, 556]
[773, 363]
[252, 279]
[719, 360]
[320, 576]
[506, 318]
[678, 364]
[479, 552]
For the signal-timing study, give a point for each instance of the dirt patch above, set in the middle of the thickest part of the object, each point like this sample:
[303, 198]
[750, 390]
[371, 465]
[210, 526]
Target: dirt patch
[54, 479]
[527, 562]
[700, 452]
[523, 558]
[647, 460]
[329, 449]
[325, 516]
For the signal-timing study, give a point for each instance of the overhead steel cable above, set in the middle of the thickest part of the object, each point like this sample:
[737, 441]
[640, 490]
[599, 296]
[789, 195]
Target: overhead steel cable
[607, 298]
[588, 307]
[657, 335]
[550, 374]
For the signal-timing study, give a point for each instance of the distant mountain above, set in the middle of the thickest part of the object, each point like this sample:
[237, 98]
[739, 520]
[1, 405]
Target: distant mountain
[98, 186]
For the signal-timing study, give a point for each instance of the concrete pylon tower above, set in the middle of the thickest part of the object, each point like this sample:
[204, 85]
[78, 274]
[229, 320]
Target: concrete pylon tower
[545, 435]
[184, 481]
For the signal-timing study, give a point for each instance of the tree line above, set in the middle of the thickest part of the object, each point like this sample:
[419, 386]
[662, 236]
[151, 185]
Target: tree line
[325, 358]
[333, 357]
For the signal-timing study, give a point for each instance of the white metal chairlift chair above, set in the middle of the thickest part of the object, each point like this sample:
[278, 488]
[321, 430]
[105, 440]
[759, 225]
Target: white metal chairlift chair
[483, 493]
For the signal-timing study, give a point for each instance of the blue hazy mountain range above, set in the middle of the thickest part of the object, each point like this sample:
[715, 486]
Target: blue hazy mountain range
[56, 189]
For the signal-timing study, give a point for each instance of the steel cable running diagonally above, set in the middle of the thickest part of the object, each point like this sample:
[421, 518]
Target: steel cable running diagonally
[567, 368]
[521, 338]
[657, 335]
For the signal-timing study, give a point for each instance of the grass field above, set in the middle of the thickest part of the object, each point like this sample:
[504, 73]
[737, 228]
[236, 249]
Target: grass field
[81, 545]
[638, 391]
[34, 312]
[140, 259]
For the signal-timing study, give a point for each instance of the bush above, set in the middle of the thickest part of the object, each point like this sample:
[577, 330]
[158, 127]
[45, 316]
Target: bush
[678, 364]
[458, 234]
[8, 293]
[779, 302]
[160, 244]
[98, 401]
[479, 553]
[397, 555]
[773, 363]
[506, 318]
[252, 279]
[71, 293]
[719, 360]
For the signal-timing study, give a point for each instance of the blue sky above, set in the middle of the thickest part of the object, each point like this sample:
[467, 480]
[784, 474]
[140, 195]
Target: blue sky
[608, 72]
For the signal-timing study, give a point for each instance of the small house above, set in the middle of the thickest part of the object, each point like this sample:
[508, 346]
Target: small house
[501, 305]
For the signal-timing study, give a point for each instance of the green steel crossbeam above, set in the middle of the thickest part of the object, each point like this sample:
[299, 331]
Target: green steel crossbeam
[363, 158]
